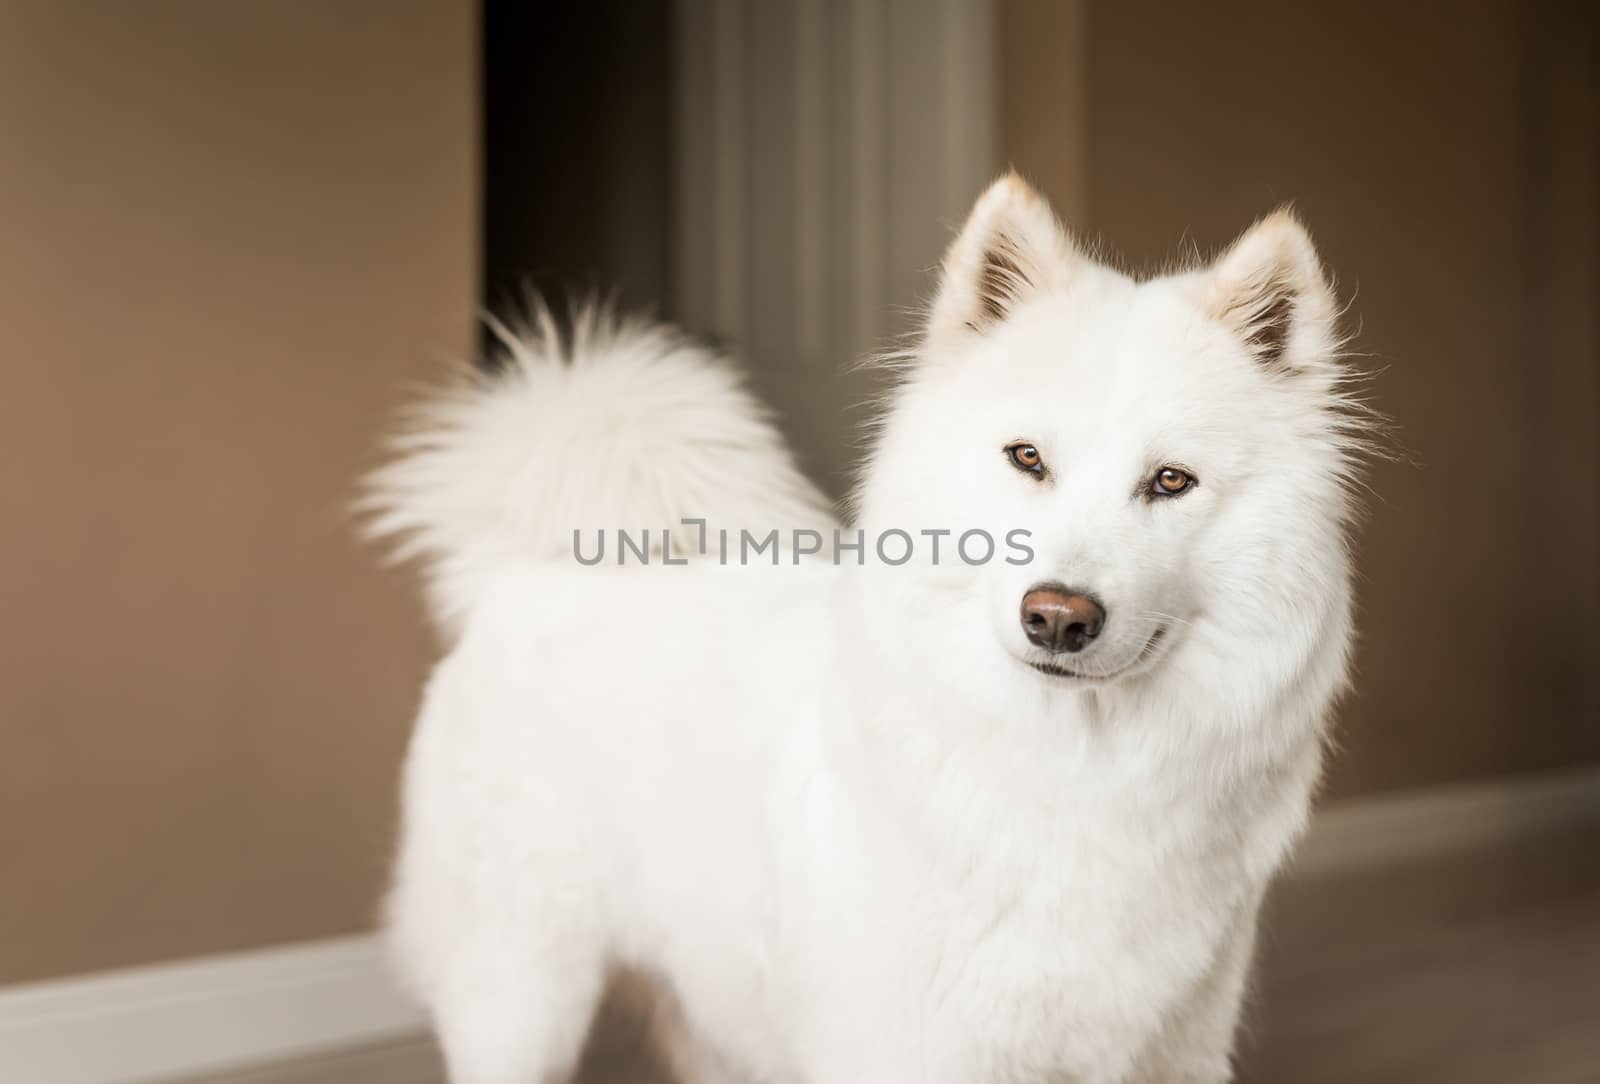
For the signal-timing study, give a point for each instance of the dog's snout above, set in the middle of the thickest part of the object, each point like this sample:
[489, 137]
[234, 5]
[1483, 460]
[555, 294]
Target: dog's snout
[1060, 618]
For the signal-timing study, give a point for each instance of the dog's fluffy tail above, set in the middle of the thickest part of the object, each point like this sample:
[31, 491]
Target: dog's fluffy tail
[625, 424]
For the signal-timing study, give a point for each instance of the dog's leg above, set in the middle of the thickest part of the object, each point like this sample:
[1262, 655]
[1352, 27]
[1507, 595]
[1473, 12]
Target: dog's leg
[511, 1012]
[1197, 1045]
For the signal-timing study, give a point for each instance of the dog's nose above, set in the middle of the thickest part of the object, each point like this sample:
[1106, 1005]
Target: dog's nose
[1061, 619]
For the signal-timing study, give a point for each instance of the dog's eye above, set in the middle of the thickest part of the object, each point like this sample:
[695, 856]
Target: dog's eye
[1170, 481]
[1025, 456]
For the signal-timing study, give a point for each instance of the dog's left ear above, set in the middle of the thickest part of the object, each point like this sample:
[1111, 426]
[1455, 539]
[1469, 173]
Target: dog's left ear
[1010, 249]
[1270, 288]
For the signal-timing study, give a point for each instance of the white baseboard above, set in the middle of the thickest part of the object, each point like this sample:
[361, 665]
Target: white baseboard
[1356, 834]
[200, 1016]
[204, 1016]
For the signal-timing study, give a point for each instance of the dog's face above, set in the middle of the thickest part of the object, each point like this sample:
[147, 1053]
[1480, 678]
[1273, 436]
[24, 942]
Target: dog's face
[1167, 451]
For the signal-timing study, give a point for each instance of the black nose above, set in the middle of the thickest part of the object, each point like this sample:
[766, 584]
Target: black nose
[1060, 618]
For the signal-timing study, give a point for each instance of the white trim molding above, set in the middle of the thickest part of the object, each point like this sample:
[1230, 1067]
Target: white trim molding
[1367, 833]
[199, 1016]
[215, 1014]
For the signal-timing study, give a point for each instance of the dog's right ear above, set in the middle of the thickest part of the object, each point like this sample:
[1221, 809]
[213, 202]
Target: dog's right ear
[1011, 248]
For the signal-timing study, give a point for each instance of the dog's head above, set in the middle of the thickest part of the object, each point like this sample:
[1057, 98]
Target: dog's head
[1162, 463]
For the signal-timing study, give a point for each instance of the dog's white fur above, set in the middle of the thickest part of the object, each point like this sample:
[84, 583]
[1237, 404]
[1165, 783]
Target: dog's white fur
[834, 810]
[621, 424]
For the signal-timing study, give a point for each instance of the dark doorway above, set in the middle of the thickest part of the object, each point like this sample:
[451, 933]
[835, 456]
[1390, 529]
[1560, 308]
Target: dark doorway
[578, 152]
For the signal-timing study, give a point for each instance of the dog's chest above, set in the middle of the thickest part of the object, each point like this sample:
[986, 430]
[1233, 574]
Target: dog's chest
[1017, 952]
[1052, 971]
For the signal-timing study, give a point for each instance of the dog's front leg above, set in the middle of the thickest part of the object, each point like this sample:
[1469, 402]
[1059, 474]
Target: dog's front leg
[1196, 1045]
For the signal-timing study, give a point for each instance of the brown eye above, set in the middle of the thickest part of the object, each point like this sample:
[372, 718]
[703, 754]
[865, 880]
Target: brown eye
[1170, 481]
[1025, 456]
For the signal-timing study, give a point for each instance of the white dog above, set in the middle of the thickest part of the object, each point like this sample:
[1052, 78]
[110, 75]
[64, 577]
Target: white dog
[989, 791]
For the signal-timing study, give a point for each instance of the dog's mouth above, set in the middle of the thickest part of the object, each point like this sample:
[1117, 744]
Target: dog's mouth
[1057, 670]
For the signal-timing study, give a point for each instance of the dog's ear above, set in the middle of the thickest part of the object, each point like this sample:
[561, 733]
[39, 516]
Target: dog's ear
[1010, 248]
[1270, 288]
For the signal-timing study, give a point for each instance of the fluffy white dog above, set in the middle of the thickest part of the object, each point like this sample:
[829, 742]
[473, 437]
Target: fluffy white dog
[987, 787]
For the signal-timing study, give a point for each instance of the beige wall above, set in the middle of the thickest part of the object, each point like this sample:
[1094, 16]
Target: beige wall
[1444, 156]
[231, 233]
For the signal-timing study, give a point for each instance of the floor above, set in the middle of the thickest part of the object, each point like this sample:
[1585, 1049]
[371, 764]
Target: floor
[1479, 968]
